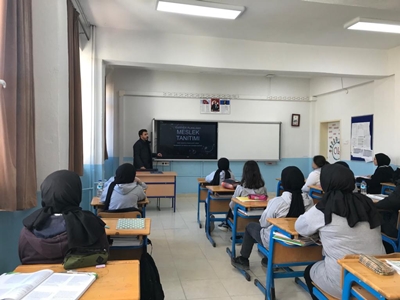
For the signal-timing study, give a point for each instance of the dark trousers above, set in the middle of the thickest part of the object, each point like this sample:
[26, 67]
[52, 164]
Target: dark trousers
[251, 236]
[307, 277]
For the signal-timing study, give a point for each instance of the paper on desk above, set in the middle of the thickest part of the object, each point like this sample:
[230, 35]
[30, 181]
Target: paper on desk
[245, 199]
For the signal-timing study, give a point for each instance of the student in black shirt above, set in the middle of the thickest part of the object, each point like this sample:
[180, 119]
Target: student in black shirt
[391, 207]
[383, 173]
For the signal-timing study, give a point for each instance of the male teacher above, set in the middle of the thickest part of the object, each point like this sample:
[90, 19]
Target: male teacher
[142, 156]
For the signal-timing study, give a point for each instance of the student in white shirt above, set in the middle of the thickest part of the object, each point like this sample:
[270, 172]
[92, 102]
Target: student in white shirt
[223, 172]
[217, 177]
[313, 178]
[292, 203]
[347, 223]
[124, 190]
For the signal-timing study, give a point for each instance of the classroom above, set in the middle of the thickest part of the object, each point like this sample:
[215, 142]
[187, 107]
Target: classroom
[279, 58]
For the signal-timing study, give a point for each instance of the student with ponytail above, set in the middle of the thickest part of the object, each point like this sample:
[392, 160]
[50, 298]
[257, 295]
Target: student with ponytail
[292, 203]
[313, 178]
[223, 172]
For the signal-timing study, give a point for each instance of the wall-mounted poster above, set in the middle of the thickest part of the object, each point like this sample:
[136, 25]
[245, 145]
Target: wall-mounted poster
[215, 106]
[333, 142]
[362, 138]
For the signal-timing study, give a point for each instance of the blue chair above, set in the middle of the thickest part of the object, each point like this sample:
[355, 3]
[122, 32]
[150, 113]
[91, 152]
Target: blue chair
[281, 255]
[387, 188]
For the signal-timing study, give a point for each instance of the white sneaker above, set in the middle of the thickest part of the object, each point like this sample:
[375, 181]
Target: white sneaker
[223, 226]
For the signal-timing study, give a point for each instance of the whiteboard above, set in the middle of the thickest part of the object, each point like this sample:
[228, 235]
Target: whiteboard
[245, 141]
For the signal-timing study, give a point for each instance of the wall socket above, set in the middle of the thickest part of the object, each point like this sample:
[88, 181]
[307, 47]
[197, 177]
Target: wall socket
[165, 163]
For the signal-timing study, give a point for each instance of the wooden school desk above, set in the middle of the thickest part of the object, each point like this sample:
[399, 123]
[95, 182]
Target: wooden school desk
[217, 203]
[387, 188]
[240, 221]
[99, 205]
[381, 287]
[201, 196]
[160, 186]
[282, 255]
[118, 280]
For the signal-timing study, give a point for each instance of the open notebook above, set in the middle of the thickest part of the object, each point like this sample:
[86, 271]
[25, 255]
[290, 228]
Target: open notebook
[44, 284]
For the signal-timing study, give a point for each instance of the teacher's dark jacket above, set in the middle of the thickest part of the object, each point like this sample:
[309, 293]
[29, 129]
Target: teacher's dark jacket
[392, 205]
[142, 156]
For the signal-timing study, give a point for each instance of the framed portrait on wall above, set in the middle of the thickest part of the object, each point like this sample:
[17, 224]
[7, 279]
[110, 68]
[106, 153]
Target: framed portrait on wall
[295, 120]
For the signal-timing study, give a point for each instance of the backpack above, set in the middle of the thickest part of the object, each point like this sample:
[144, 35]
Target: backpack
[229, 184]
[150, 285]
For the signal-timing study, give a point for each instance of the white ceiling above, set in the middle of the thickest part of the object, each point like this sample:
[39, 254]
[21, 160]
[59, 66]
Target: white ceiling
[310, 22]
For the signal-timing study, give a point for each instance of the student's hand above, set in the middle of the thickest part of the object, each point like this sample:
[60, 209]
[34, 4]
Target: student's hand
[142, 168]
[159, 154]
[137, 179]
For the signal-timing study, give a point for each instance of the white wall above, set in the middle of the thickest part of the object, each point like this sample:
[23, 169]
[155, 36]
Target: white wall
[50, 62]
[137, 112]
[377, 98]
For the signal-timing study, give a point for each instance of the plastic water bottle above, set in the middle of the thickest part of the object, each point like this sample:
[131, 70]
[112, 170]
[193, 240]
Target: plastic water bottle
[99, 187]
[363, 187]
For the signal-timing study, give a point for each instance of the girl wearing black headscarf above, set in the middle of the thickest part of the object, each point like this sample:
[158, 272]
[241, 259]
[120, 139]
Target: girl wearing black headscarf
[348, 223]
[292, 203]
[383, 173]
[124, 190]
[223, 172]
[60, 224]
[313, 178]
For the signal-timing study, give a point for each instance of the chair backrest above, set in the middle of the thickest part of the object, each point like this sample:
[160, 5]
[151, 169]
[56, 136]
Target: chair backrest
[120, 215]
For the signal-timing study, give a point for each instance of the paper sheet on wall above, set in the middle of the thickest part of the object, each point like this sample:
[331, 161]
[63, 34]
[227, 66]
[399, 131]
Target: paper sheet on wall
[361, 141]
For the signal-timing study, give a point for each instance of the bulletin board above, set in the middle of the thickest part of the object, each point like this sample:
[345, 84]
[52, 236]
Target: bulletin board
[362, 133]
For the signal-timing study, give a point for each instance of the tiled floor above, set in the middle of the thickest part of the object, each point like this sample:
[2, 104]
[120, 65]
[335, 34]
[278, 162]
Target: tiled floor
[190, 268]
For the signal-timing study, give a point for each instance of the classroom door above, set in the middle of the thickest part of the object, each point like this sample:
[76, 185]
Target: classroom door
[330, 140]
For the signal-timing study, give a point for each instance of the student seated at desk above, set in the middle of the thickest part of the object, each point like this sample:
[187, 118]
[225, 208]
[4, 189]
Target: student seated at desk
[292, 203]
[348, 223]
[391, 205]
[124, 190]
[223, 172]
[313, 178]
[251, 183]
[344, 164]
[383, 173]
[60, 224]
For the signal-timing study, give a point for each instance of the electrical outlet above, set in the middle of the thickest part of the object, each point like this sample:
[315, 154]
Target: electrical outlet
[165, 163]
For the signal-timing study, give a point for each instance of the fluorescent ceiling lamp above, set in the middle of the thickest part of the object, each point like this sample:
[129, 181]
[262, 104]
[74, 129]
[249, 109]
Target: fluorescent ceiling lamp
[373, 25]
[201, 8]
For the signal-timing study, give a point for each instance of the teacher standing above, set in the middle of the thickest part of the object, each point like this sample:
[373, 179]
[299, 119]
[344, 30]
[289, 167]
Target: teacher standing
[142, 156]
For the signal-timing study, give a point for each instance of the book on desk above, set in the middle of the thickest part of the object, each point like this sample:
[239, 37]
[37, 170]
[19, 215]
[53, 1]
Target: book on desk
[45, 284]
[252, 212]
[301, 241]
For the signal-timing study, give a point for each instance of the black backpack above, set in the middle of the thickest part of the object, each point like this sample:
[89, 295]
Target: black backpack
[150, 285]
[396, 176]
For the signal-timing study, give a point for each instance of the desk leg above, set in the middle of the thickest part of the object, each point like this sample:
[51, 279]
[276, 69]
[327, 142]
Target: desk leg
[174, 200]
[198, 205]
[208, 234]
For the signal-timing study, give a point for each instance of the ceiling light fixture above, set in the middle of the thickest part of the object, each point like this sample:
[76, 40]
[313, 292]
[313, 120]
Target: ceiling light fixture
[373, 25]
[201, 8]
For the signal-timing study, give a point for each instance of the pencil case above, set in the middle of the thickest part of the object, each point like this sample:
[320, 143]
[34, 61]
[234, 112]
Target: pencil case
[258, 197]
[376, 265]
